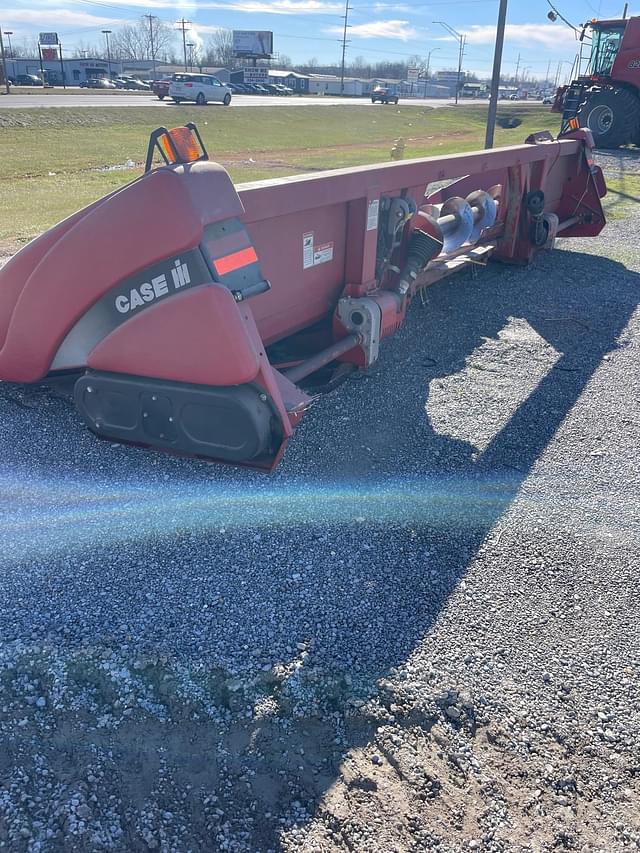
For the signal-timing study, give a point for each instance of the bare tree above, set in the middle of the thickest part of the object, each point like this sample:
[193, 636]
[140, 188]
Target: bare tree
[282, 61]
[27, 48]
[133, 41]
[84, 49]
[219, 49]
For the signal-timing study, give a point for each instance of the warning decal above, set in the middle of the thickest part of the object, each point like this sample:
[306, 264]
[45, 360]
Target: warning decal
[307, 250]
[312, 255]
[372, 214]
[323, 253]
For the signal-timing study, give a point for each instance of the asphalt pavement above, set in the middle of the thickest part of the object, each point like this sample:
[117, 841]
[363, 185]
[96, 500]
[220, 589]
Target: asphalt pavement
[84, 99]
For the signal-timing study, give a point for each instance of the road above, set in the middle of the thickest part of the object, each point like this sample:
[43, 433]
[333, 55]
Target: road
[144, 100]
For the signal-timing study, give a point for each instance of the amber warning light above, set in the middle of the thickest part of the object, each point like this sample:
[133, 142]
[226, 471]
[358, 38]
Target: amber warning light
[178, 145]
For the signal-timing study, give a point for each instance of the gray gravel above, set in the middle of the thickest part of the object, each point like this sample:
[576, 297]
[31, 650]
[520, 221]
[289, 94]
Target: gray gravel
[419, 634]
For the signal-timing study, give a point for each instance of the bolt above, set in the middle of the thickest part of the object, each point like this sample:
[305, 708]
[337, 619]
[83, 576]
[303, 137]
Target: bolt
[161, 435]
[89, 389]
[154, 398]
[263, 397]
[170, 420]
[145, 414]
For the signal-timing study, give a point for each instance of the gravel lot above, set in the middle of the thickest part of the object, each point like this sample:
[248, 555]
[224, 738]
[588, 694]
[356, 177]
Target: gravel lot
[419, 634]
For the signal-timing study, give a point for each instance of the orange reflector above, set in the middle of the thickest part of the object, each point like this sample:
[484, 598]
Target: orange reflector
[232, 262]
[184, 144]
[574, 124]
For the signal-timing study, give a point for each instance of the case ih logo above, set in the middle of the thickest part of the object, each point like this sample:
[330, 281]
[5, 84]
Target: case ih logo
[635, 63]
[159, 286]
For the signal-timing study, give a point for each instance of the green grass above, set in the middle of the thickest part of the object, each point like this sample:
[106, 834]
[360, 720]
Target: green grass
[49, 157]
[623, 196]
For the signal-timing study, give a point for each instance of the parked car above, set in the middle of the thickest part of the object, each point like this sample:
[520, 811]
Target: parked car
[97, 83]
[513, 98]
[200, 88]
[134, 83]
[161, 88]
[260, 89]
[28, 80]
[118, 83]
[384, 94]
[547, 100]
[272, 89]
[284, 90]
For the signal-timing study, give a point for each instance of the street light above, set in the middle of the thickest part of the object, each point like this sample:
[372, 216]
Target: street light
[426, 73]
[106, 34]
[461, 39]
[8, 34]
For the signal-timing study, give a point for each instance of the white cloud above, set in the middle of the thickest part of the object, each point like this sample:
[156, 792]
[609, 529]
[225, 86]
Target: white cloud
[399, 30]
[264, 7]
[549, 36]
[278, 7]
[56, 18]
[394, 7]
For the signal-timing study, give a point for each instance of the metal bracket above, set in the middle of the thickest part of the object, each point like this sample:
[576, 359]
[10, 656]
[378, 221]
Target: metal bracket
[363, 316]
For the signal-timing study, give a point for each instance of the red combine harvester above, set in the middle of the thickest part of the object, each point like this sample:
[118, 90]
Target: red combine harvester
[606, 99]
[200, 318]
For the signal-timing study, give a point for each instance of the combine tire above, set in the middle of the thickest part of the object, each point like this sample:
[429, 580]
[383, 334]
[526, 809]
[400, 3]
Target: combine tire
[612, 116]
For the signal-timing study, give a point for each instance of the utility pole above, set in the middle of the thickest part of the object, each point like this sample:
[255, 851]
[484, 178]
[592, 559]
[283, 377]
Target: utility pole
[64, 82]
[426, 73]
[517, 67]
[495, 78]
[461, 40]
[106, 34]
[153, 52]
[184, 26]
[347, 9]
[546, 79]
[8, 34]
[4, 65]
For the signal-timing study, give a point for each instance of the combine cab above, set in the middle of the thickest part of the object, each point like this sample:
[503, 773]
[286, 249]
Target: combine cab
[607, 98]
[199, 318]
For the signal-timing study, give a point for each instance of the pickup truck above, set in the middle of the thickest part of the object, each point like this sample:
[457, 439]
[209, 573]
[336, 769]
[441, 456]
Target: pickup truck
[385, 95]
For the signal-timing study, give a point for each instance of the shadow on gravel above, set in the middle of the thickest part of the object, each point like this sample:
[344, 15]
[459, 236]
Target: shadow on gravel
[333, 569]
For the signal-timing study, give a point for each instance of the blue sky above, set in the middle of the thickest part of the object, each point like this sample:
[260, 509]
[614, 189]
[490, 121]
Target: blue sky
[380, 29]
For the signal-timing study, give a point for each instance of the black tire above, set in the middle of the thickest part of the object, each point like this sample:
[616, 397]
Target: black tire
[176, 100]
[396, 101]
[200, 99]
[373, 100]
[612, 116]
[160, 97]
[227, 100]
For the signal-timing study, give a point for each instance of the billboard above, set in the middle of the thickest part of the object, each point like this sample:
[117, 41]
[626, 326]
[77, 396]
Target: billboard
[413, 74]
[258, 43]
[48, 38]
[49, 54]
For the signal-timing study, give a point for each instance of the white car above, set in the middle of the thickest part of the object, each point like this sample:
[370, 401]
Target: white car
[200, 88]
